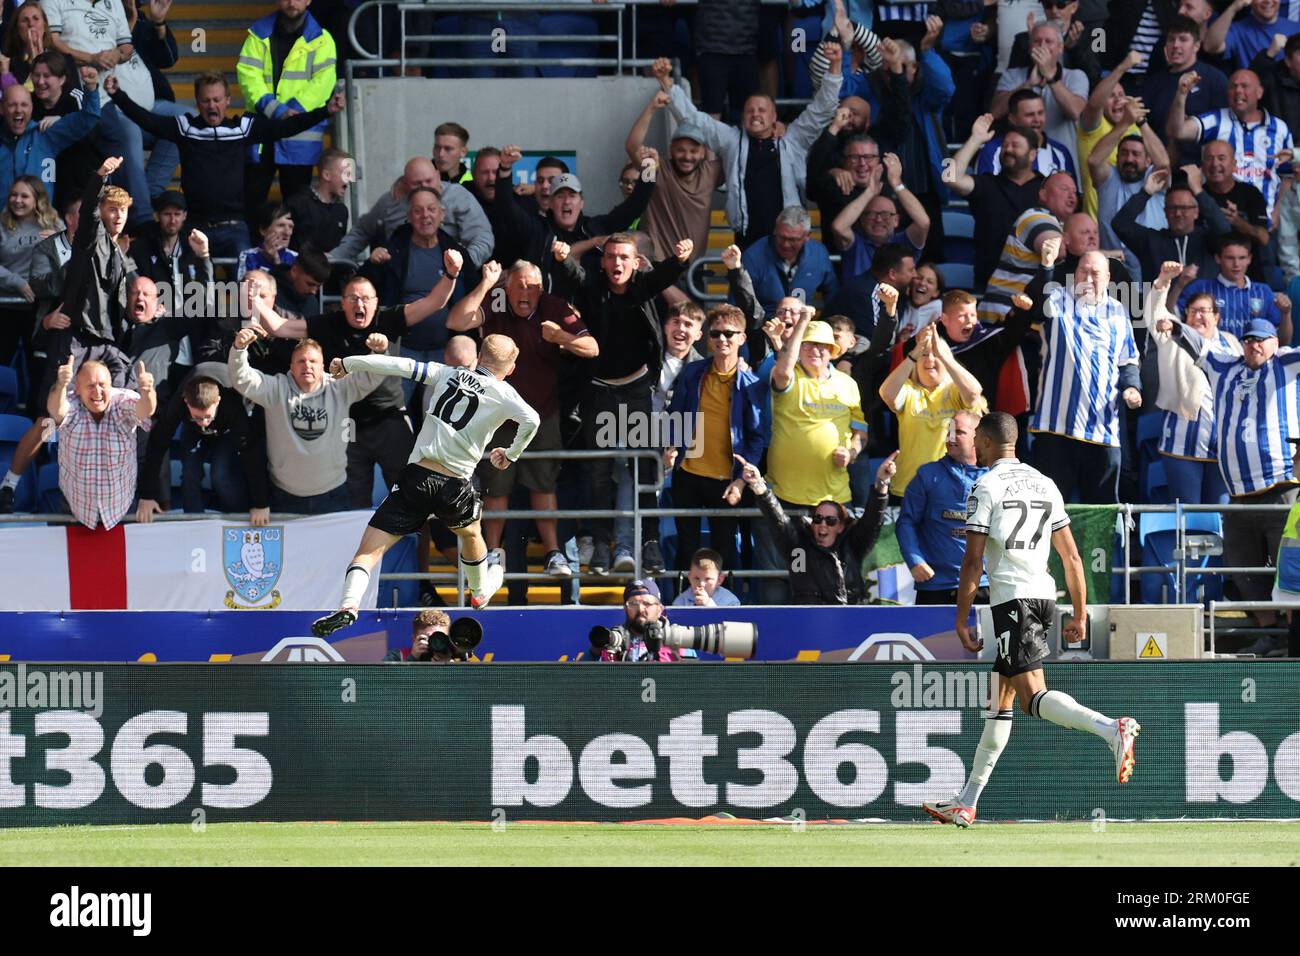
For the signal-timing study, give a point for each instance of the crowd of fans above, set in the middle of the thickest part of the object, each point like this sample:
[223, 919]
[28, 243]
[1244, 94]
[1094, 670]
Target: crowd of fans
[1135, 163]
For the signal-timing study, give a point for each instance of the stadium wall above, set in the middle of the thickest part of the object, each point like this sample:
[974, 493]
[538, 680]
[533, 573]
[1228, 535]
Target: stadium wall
[510, 634]
[397, 116]
[127, 744]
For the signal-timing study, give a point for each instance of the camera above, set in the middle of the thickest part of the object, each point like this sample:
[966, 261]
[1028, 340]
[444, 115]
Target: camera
[725, 638]
[464, 635]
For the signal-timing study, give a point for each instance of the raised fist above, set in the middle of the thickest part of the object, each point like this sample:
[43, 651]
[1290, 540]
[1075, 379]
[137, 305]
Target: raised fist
[510, 155]
[199, 243]
[377, 342]
[1187, 82]
[731, 256]
[888, 297]
[452, 262]
[683, 249]
[247, 336]
[336, 368]
[1022, 302]
[491, 272]
[560, 250]
[1168, 272]
[1050, 249]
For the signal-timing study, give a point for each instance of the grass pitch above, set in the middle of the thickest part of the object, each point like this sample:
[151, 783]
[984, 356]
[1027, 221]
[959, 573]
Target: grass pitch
[521, 844]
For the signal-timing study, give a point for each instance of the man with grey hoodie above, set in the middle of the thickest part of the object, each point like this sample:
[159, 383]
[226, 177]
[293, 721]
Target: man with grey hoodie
[307, 424]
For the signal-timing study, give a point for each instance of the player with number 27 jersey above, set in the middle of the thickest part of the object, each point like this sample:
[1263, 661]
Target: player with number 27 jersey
[1015, 518]
[1018, 508]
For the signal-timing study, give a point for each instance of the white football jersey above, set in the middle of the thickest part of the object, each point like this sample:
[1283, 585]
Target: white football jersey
[1018, 508]
[463, 410]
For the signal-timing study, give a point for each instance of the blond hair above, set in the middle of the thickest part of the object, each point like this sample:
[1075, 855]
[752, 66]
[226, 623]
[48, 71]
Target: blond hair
[498, 353]
[44, 214]
[115, 196]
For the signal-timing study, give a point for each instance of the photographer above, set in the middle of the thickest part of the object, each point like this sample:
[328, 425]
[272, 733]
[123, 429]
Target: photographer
[824, 552]
[636, 638]
[436, 640]
[646, 635]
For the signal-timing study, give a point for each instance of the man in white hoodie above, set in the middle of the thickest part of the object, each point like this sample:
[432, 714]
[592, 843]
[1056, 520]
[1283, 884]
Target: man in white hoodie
[307, 424]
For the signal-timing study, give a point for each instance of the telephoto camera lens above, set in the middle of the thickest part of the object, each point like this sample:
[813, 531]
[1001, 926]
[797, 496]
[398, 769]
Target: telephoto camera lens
[725, 638]
[465, 634]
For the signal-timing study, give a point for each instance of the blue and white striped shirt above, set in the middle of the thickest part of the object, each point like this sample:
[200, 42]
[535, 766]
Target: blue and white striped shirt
[1195, 439]
[1083, 348]
[1256, 147]
[1236, 306]
[1256, 412]
[1053, 158]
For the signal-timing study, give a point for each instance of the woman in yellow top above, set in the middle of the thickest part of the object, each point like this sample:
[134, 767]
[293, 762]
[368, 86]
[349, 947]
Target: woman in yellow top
[927, 389]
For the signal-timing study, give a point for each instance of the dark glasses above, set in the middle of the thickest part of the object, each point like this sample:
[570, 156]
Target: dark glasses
[828, 520]
[722, 333]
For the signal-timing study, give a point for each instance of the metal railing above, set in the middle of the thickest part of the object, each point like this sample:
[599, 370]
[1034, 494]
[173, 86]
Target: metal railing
[1184, 549]
[624, 37]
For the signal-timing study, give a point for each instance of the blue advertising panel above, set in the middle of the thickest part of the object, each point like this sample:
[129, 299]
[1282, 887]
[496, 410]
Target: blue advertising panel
[510, 634]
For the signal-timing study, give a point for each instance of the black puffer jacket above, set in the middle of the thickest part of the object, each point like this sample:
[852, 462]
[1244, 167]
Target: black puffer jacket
[820, 575]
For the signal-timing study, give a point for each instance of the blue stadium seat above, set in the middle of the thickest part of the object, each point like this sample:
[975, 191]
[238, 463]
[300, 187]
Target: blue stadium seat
[957, 275]
[958, 237]
[1148, 433]
[8, 389]
[25, 493]
[400, 559]
[1157, 534]
[1155, 486]
[13, 428]
[49, 500]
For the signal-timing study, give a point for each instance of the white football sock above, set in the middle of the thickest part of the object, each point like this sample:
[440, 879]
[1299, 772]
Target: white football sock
[474, 572]
[1060, 708]
[355, 583]
[997, 731]
[11, 480]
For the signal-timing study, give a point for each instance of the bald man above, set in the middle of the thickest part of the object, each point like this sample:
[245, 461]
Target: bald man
[464, 218]
[154, 338]
[27, 150]
[97, 460]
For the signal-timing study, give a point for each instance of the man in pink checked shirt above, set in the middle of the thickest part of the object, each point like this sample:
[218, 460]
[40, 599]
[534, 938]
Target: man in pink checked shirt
[97, 454]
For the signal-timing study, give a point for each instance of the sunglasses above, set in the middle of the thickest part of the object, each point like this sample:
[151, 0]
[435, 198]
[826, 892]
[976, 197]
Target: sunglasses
[628, 182]
[829, 520]
[722, 333]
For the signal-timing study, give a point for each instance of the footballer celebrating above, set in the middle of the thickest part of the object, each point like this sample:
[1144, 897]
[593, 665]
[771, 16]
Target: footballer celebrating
[1014, 517]
[465, 408]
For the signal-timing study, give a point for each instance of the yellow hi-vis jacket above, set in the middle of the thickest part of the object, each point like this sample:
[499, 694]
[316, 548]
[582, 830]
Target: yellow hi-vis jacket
[306, 83]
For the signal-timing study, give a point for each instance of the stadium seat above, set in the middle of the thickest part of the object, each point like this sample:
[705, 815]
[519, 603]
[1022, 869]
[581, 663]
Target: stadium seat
[1150, 426]
[1158, 534]
[1155, 486]
[25, 494]
[958, 237]
[13, 428]
[957, 275]
[8, 389]
[49, 500]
